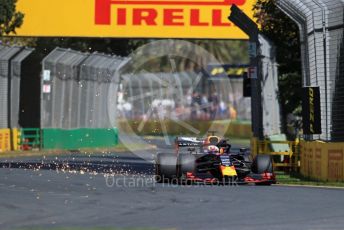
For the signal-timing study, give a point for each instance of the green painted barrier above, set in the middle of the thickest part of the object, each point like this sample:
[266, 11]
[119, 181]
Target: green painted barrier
[30, 137]
[79, 138]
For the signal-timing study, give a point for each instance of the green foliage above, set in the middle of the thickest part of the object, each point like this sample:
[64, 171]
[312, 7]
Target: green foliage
[18, 41]
[290, 93]
[280, 29]
[9, 18]
[283, 32]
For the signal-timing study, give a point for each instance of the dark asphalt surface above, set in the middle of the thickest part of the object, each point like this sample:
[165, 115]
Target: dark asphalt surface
[74, 191]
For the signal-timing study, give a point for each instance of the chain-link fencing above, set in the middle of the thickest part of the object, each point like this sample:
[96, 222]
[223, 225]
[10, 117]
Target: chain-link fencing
[18, 73]
[10, 78]
[321, 24]
[75, 89]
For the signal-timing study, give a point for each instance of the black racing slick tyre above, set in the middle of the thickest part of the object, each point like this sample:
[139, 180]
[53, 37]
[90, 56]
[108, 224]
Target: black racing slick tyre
[165, 167]
[262, 164]
[185, 163]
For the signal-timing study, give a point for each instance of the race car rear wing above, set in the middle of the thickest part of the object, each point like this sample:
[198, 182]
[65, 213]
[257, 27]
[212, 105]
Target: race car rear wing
[189, 142]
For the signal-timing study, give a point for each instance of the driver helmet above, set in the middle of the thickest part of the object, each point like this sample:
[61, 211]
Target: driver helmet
[213, 149]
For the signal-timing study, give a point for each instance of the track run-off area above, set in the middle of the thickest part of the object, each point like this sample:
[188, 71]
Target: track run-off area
[118, 190]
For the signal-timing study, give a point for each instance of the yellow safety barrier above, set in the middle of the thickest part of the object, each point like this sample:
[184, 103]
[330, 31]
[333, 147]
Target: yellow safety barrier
[254, 146]
[316, 159]
[5, 140]
[16, 139]
[291, 152]
[322, 161]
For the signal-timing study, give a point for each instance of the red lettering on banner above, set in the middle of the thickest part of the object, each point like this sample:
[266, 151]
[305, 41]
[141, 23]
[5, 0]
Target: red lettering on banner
[144, 15]
[171, 16]
[103, 12]
[195, 18]
[180, 2]
[122, 17]
[217, 19]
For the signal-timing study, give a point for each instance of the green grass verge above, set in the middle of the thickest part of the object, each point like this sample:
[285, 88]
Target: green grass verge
[298, 179]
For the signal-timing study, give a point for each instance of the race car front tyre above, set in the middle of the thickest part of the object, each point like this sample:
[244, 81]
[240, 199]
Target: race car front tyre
[262, 164]
[185, 163]
[165, 167]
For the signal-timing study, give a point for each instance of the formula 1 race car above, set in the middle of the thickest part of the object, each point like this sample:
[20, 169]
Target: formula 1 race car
[210, 160]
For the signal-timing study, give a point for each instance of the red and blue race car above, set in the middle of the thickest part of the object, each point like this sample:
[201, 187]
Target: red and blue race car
[211, 160]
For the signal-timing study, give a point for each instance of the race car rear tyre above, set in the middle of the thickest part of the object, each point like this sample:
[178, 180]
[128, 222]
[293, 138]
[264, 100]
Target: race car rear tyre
[186, 163]
[262, 164]
[165, 167]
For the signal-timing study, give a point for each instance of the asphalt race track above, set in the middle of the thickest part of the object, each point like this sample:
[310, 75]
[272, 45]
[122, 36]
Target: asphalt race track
[118, 190]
